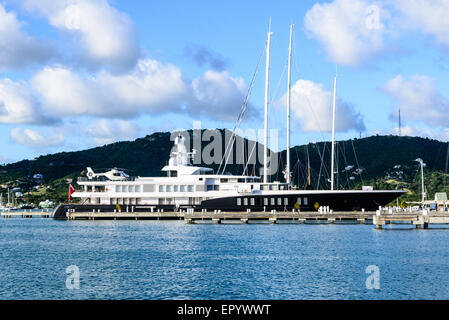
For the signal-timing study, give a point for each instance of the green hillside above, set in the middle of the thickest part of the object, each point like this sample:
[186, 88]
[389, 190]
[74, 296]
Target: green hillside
[385, 162]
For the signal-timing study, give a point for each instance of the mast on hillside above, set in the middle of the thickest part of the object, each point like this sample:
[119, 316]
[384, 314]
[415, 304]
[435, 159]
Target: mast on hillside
[333, 132]
[287, 173]
[267, 102]
[423, 192]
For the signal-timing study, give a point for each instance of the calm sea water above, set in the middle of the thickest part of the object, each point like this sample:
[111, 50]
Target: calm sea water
[173, 260]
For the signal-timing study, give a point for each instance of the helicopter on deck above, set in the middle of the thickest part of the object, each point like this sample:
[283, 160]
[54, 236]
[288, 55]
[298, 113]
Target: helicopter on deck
[114, 174]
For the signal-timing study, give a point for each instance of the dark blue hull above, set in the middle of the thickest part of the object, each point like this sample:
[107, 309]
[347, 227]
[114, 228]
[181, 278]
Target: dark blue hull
[307, 201]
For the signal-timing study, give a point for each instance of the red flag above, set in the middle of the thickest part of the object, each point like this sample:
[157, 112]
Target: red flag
[71, 190]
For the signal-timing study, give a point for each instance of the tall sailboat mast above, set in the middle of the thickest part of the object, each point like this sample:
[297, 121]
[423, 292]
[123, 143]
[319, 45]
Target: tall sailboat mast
[288, 176]
[267, 102]
[333, 132]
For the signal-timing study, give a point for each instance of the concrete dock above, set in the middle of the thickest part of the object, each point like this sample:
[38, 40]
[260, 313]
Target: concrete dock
[125, 215]
[224, 217]
[275, 217]
[420, 219]
[27, 214]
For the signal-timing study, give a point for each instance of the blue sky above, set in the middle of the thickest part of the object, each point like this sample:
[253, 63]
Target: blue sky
[81, 73]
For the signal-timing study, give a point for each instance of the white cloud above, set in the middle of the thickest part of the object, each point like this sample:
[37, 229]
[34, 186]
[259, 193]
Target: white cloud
[18, 49]
[108, 36]
[17, 105]
[35, 139]
[419, 99]
[5, 159]
[350, 30]
[151, 88]
[107, 131]
[430, 17]
[312, 108]
[218, 95]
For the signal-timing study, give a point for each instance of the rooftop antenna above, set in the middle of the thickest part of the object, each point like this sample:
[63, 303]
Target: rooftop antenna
[287, 173]
[334, 100]
[267, 102]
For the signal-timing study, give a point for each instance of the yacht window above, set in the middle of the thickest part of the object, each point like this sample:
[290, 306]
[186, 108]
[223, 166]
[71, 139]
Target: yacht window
[253, 202]
[118, 188]
[161, 188]
[169, 188]
[239, 201]
[137, 189]
[299, 201]
[175, 188]
[216, 187]
[201, 179]
[241, 180]
[272, 201]
[279, 201]
[306, 201]
[189, 188]
[265, 201]
[210, 187]
[224, 180]
[131, 188]
[183, 188]
[245, 201]
[285, 201]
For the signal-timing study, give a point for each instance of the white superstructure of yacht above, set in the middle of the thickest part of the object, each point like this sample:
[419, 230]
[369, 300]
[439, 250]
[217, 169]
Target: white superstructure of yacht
[183, 185]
